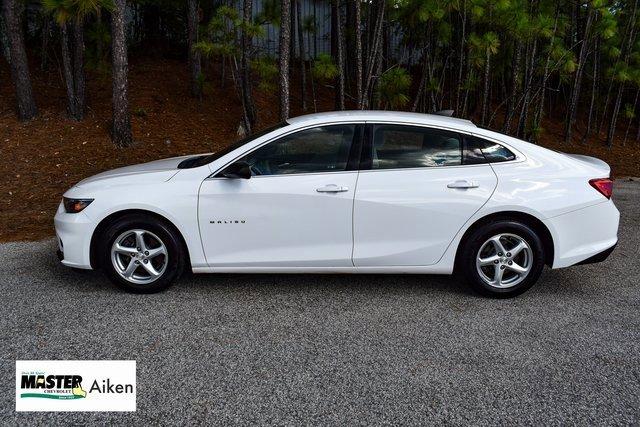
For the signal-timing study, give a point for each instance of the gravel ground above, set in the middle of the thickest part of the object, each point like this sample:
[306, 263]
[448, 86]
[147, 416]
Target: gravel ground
[278, 349]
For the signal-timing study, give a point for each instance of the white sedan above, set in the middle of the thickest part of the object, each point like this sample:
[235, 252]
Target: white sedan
[347, 192]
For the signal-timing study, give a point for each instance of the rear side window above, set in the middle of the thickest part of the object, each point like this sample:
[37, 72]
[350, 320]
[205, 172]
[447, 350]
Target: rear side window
[397, 147]
[478, 150]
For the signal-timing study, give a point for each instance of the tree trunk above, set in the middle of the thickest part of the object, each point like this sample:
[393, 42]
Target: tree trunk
[537, 118]
[485, 90]
[524, 111]
[99, 47]
[340, 48]
[374, 36]
[614, 115]
[461, 63]
[19, 63]
[594, 90]
[245, 72]
[195, 67]
[635, 102]
[4, 40]
[78, 70]
[626, 48]
[577, 82]
[333, 36]
[378, 69]
[67, 69]
[422, 84]
[283, 59]
[358, 46]
[515, 89]
[315, 33]
[303, 74]
[44, 47]
[121, 126]
[311, 62]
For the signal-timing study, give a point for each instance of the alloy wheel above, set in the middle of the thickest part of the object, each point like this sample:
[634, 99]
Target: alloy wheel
[504, 260]
[139, 256]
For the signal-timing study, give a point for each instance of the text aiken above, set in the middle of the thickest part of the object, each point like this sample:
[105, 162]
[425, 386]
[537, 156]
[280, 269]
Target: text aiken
[107, 387]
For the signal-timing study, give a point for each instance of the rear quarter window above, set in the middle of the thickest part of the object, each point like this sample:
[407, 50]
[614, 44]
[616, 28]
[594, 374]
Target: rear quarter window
[478, 150]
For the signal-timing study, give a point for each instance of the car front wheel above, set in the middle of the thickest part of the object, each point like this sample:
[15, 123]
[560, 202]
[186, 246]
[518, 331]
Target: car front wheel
[141, 254]
[502, 259]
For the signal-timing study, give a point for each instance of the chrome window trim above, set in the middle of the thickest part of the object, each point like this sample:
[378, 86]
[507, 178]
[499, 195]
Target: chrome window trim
[520, 157]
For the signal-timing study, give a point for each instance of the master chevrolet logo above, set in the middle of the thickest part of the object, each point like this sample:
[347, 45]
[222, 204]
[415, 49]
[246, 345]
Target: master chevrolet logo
[52, 386]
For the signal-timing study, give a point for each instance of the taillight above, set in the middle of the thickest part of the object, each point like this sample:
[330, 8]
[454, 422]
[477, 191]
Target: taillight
[603, 185]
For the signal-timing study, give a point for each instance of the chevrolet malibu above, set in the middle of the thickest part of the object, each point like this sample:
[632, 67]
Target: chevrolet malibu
[347, 192]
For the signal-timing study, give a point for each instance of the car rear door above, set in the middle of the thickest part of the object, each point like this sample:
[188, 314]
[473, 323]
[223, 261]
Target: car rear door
[414, 194]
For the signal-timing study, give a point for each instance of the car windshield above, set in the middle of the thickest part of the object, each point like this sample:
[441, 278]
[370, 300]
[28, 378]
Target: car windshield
[194, 162]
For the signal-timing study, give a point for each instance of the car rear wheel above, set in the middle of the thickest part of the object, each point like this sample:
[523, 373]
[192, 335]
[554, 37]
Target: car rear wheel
[141, 254]
[502, 259]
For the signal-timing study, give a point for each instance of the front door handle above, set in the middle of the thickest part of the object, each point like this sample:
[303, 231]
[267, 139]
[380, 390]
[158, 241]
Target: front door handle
[332, 188]
[463, 183]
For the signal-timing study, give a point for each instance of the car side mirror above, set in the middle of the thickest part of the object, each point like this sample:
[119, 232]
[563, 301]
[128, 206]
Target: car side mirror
[237, 170]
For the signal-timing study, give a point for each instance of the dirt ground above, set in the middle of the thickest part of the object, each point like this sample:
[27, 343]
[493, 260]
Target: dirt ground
[40, 159]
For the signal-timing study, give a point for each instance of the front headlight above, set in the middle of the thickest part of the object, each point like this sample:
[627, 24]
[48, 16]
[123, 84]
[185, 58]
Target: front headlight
[75, 205]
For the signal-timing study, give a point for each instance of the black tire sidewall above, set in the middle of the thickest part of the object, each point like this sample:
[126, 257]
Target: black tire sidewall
[477, 238]
[172, 242]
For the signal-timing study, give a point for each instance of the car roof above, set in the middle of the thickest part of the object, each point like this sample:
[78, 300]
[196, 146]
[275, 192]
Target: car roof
[386, 116]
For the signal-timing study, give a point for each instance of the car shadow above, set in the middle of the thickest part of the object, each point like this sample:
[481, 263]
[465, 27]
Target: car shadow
[558, 282]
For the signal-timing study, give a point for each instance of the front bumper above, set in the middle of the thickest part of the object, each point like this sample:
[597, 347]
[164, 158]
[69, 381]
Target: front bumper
[73, 233]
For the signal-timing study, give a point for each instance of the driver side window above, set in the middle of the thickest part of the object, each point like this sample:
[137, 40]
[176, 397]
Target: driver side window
[320, 149]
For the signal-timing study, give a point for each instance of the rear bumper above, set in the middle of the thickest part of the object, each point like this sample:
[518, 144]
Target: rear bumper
[598, 257]
[584, 234]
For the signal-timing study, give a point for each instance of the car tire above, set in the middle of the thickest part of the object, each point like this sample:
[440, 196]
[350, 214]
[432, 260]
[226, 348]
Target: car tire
[149, 265]
[502, 259]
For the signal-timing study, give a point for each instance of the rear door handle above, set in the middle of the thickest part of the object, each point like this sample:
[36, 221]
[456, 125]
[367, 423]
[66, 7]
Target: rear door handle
[332, 188]
[462, 183]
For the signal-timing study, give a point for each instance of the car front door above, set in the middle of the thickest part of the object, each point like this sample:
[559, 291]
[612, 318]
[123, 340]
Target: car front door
[294, 211]
[414, 194]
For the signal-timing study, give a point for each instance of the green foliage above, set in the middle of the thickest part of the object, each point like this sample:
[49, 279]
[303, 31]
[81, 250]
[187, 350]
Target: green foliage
[65, 10]
[267, 70]
[324, 68]
[270, 13]
[203, 84]
[483, 46]
[140, 112]
[221, 34]
[563, 59]
[59, 9]
[393, 87]
[98, 34]
[309, 25]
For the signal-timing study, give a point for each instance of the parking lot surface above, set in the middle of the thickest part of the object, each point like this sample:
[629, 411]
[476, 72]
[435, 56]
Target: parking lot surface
[338, 349]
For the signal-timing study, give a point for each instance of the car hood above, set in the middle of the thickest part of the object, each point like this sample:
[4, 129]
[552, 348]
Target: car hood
[156, 171]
